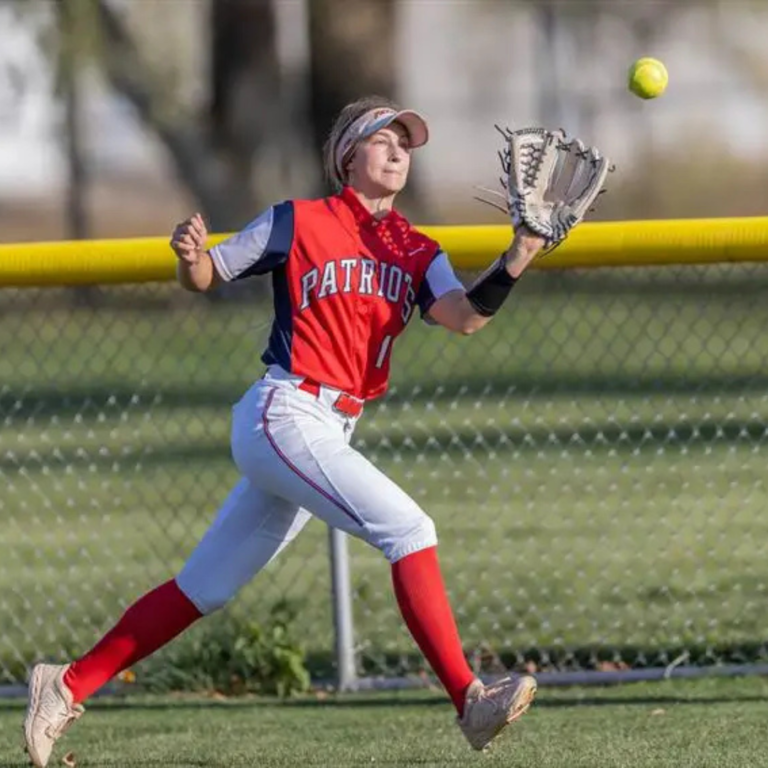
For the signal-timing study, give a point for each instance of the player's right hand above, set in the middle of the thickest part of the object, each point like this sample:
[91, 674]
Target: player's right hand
[188, 239]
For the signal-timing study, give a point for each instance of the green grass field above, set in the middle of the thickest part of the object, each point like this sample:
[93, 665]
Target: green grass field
[594, 461]
[676, 724]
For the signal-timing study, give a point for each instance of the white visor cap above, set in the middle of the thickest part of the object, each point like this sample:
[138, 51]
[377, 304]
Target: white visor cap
[375, 120]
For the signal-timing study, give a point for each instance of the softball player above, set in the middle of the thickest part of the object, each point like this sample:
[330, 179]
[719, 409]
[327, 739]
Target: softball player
[348, 272]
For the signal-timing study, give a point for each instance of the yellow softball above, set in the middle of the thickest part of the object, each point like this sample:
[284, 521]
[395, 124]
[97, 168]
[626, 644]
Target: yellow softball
[648, 78]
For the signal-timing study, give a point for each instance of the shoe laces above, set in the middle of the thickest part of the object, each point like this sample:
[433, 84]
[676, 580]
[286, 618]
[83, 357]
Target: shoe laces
[56, 730]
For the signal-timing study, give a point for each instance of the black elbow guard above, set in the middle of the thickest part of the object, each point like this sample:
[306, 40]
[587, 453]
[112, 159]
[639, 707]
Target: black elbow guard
[491, 289]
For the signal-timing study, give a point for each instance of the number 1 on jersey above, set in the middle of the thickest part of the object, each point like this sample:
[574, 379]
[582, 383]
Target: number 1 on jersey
[383, 351]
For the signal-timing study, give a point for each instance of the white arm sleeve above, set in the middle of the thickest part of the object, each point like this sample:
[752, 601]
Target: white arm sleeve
[439, 279]
[263, 245]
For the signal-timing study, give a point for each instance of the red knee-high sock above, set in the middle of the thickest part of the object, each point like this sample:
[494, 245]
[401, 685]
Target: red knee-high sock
[151, 622]
[423, 601]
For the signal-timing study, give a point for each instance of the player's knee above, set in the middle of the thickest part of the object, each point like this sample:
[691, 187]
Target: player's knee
[205, 595]
[420, 533]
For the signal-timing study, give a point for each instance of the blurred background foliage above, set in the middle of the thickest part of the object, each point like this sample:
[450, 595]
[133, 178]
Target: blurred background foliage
[139, 112]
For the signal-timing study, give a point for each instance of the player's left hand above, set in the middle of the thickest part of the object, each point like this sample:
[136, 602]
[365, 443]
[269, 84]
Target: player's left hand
[550, 182]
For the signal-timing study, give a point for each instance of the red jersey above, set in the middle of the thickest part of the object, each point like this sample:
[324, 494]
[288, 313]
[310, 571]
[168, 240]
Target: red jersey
[345, 285]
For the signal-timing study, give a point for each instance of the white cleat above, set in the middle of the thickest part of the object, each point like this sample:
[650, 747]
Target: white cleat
[50, 711]
[488, 709]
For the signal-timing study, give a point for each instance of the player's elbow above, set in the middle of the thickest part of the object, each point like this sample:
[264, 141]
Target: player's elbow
[472, 324]
[455, 313]
[189, 286]
[470, 320]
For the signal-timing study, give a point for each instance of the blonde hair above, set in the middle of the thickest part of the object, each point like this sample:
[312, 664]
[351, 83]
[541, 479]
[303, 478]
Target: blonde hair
[345, 118]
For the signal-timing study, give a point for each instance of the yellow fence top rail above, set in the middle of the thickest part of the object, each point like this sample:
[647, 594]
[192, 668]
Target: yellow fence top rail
[602, 244]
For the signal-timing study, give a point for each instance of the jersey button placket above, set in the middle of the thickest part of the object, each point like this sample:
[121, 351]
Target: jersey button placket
[360, 317]
[362, 330]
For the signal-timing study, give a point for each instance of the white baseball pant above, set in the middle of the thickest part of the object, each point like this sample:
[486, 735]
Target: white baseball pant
[293, 451]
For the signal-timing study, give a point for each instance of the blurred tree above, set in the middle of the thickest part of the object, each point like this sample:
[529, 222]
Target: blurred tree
[245, 93]
[74, 49]
[213, 154]
[353, 53]
[72, 26]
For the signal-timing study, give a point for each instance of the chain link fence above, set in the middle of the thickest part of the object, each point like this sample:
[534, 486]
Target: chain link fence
[594, 461]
